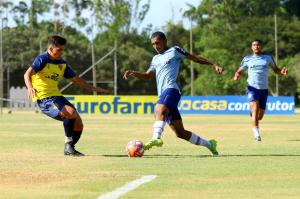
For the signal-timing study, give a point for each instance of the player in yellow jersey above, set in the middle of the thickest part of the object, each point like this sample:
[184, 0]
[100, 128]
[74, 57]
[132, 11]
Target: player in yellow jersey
[42, 79]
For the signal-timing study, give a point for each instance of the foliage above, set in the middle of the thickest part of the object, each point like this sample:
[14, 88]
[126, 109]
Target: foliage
[222, 31]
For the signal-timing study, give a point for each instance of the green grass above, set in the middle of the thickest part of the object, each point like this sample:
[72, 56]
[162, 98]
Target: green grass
[32, 164]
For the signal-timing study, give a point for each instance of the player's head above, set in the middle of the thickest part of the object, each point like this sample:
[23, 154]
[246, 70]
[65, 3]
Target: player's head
[256, 46]
[56, 46]
[159, 41]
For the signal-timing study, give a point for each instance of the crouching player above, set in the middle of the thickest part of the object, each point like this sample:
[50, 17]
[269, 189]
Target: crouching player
[42, 79]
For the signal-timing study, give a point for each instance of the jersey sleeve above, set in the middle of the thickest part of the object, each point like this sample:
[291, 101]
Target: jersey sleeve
[39, 63]
[271, 61]
[69, 73]
[244, 65]
[152, 65]
[180, 52]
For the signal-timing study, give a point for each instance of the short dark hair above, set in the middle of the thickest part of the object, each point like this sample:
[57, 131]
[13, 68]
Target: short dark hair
[56, 40]
[159, 35]
[257, 40]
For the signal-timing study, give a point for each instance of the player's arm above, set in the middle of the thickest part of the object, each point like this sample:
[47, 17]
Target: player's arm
[83, 84]
[238, 74]
[276, 69]
[140, 75]
[202, 60]
[31, 92]
[282, 71]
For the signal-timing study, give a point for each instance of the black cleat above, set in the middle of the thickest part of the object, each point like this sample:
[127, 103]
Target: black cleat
[70, 150]
[79, 153]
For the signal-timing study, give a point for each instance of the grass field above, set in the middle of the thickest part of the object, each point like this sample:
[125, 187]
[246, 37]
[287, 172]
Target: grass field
[32, 164]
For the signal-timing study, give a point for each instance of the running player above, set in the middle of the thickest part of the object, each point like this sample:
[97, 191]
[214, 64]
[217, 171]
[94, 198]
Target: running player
[258, 65]
[166, 67]
[42, 79]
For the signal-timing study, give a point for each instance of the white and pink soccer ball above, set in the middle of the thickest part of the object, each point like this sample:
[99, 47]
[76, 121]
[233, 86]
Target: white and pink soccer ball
[135, 148]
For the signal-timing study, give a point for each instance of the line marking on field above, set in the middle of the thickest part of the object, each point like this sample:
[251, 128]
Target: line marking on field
[127, 187]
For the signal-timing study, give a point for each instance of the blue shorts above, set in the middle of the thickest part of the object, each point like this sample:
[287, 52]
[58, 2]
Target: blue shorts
[261, 95]
[52, 106]
[170, 98]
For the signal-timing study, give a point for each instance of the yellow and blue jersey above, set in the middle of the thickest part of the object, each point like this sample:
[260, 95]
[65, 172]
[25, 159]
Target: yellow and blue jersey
[48, 74]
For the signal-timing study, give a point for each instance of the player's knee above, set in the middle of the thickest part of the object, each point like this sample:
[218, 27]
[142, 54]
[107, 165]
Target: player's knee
[70, 113]
[161, 111]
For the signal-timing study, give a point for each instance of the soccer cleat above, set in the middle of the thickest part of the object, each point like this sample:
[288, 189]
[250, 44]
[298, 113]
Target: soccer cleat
[213, 147]
[258, 138]
[154, 142]
[70, 150]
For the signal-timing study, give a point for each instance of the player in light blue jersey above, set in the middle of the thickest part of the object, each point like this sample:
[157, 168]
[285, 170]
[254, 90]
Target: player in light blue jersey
[165, 65]
[258, 65]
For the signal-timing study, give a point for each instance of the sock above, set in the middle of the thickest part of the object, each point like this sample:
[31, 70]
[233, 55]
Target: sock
[68, 139]
[197, 140]
[158, 128]
[76, 136]
[255, 130]
[69, 126]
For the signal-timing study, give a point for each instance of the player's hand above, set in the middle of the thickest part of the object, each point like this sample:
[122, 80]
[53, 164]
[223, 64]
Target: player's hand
[127, 74]
[237, 76]
[31, 92]
[284, 71]
[218, 69]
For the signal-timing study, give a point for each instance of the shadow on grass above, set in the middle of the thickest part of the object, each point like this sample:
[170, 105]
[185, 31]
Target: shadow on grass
[296, 140]
[205, 156]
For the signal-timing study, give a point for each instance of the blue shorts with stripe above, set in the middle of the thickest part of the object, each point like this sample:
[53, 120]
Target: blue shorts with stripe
[260, 95]
[52, 106]
[170, 98]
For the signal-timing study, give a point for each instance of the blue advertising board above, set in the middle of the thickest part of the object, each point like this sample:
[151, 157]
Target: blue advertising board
[233, 105]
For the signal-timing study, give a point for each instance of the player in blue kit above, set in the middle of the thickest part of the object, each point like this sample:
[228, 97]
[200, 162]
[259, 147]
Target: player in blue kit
[165, 65]
[258, 65]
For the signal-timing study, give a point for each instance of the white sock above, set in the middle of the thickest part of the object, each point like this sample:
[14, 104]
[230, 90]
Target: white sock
[255, 130]
[68, 139]
[197, 140]
[158, 129]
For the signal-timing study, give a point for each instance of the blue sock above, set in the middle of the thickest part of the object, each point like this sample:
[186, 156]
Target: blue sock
[76, 136]
[69, 126]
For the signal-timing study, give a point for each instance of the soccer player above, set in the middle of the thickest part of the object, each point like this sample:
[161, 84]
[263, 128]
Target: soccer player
[165, 65]
[258, 65]
[42, 78]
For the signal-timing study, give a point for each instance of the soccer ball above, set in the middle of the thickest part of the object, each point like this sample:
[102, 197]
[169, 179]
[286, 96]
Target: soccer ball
[135, 148]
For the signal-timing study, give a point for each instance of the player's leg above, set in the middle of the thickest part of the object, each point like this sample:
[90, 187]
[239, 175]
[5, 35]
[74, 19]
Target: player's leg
[262, 103]
[178, 128]
[261, 113]
[254, 105]
[253, 97]
[167, 100]
[52, 107]
[158, 127]
[72, 124]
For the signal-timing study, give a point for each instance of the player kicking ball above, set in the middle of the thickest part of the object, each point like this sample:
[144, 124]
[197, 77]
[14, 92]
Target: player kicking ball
[258, 65]
[42, 79]
[165, 65]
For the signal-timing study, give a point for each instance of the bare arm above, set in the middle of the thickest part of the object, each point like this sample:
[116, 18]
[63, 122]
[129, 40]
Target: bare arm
[31, 92]
[140, 75]
[238, 74]
[282, 71]
[202, 60]
[83, 84]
